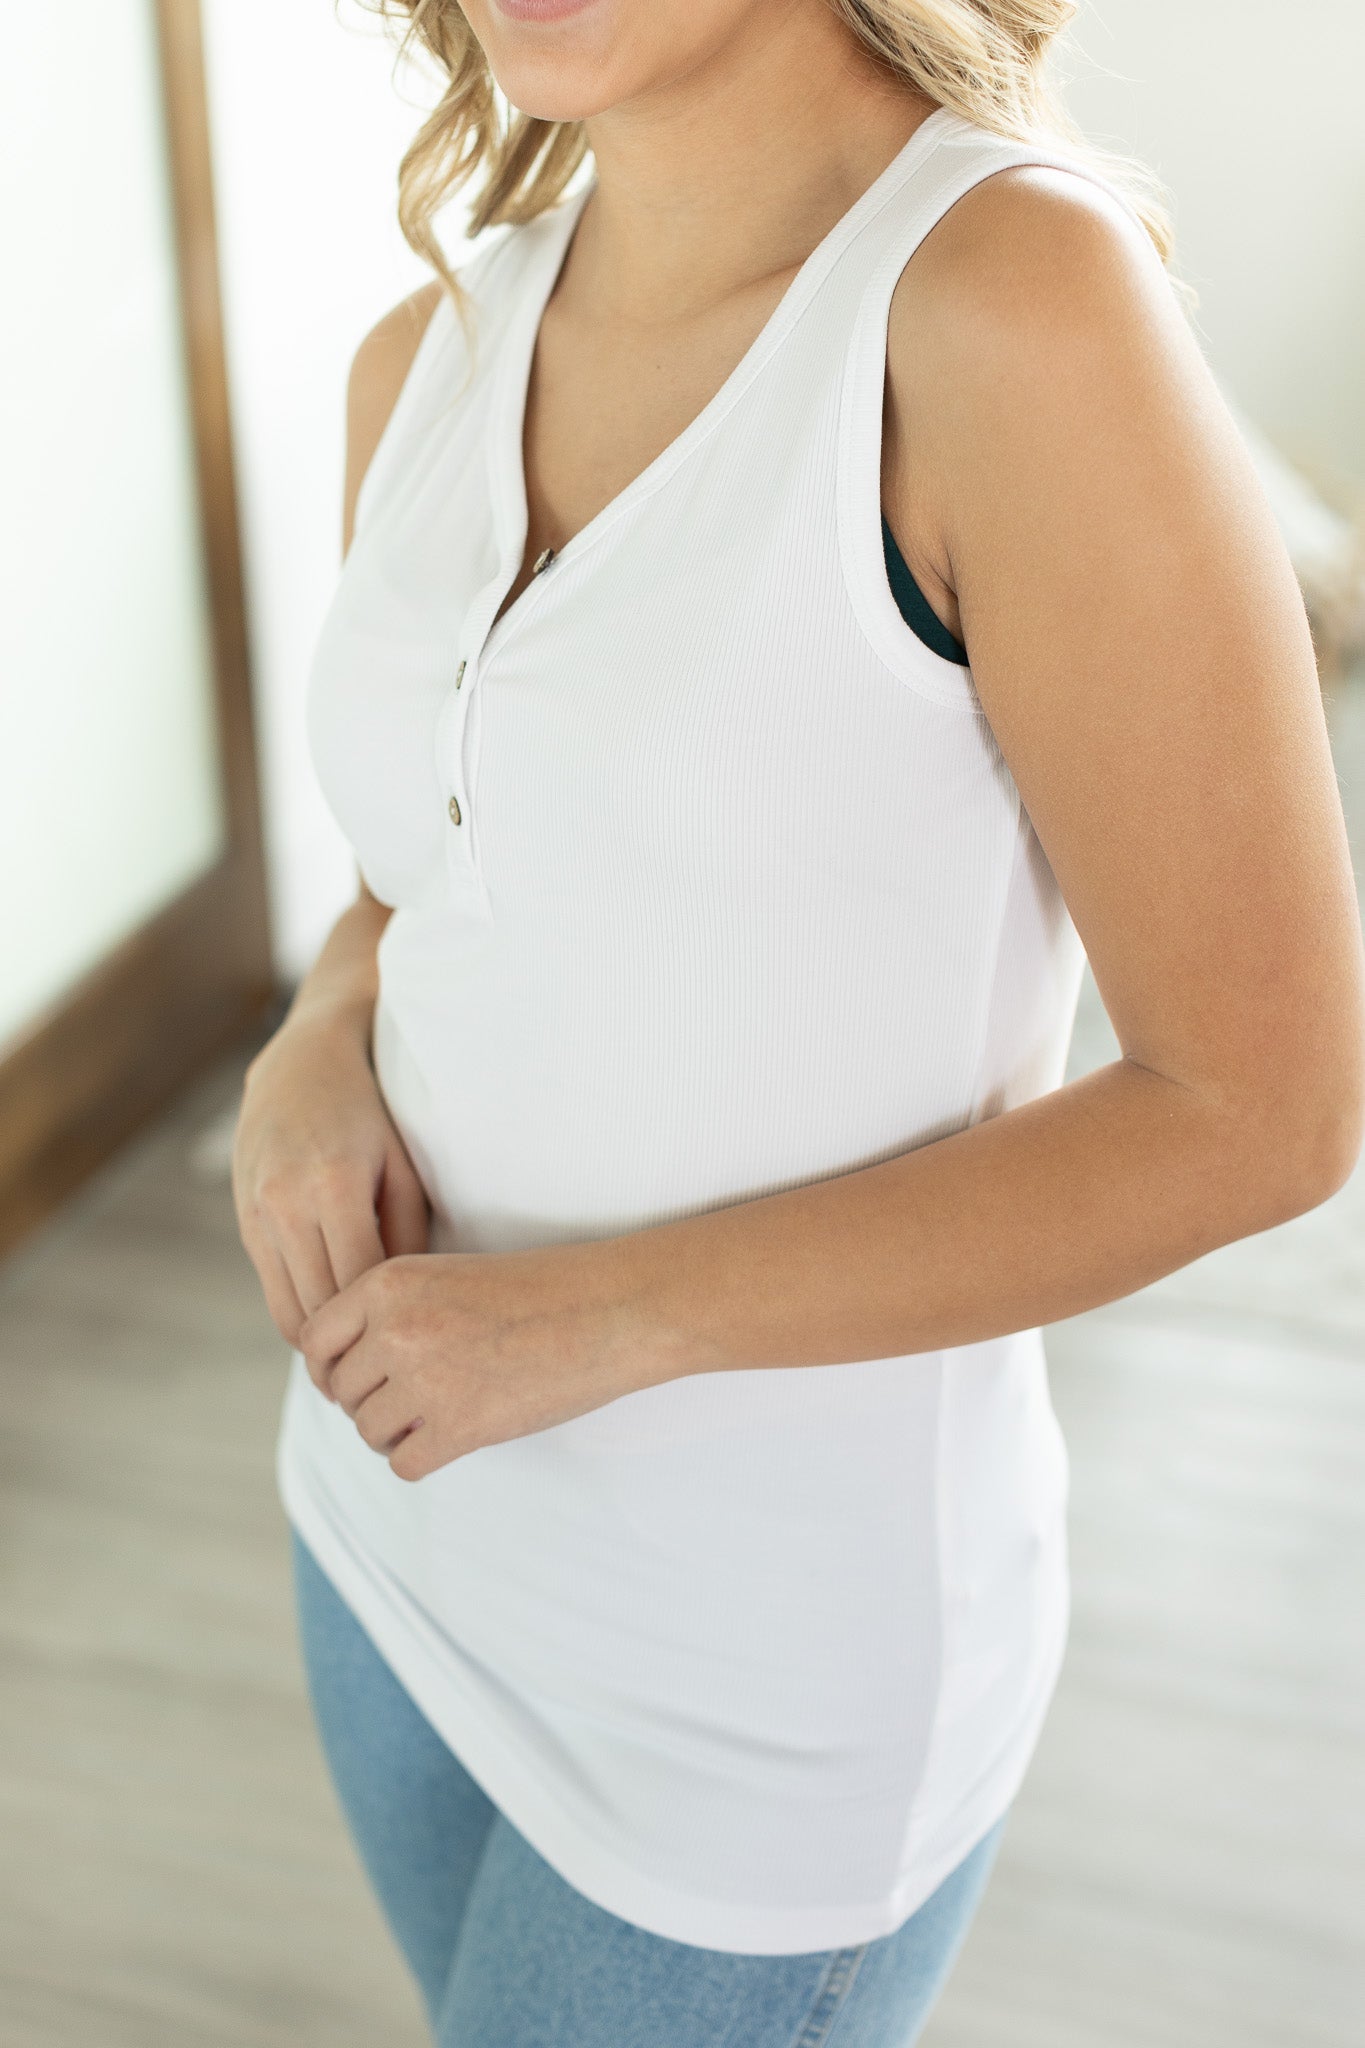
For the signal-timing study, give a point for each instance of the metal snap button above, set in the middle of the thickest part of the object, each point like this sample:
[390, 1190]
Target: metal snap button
[459, 674]
[454, 810]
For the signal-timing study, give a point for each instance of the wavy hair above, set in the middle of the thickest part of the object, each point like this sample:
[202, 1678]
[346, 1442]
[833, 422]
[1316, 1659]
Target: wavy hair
[981, 59]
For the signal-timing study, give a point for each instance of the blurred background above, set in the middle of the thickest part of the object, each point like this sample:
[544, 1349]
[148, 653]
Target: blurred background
[197, 227]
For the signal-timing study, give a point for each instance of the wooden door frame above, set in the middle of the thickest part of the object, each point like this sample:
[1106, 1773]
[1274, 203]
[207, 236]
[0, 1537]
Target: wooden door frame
[194, 979]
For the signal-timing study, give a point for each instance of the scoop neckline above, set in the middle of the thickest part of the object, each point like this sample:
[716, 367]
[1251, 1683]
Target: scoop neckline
[506, 444]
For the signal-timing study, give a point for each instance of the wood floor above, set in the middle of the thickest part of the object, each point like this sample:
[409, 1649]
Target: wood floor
[1185, 1867]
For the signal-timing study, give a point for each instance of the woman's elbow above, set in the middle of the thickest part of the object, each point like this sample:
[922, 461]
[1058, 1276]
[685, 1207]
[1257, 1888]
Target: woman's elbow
[1316, 1139]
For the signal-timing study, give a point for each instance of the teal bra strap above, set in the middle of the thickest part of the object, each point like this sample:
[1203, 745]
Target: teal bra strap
[914, 607]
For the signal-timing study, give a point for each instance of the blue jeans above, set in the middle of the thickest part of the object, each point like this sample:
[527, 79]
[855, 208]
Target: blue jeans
[509, 1955]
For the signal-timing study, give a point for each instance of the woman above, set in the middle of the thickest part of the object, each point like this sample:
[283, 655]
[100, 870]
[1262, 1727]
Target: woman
[801, 581]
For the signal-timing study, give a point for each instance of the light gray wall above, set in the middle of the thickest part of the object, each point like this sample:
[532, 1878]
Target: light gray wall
[1253, 111]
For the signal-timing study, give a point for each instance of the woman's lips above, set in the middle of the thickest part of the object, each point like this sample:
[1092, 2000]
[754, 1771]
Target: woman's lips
[541, 10]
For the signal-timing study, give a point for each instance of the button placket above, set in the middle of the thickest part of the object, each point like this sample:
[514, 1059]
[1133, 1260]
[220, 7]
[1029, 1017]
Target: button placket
[453, 720]
[462, 853]
[464, 881]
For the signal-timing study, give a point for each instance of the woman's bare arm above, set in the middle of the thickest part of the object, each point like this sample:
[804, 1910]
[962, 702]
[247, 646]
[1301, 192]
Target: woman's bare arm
[343, 982]
[323, 1186]
[381, 363]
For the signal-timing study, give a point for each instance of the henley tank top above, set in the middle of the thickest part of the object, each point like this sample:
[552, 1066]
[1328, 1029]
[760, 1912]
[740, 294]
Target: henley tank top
[708, 879]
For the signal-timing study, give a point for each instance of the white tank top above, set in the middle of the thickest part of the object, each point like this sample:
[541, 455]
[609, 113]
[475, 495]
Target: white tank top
[709, 879]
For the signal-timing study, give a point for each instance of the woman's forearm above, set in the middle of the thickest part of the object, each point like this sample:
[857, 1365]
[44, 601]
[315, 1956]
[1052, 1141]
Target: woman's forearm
[1074, 1199]
[324, 1188]
[340, 987]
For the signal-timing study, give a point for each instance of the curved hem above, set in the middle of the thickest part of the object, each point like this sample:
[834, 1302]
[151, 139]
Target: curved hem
[582, 1859]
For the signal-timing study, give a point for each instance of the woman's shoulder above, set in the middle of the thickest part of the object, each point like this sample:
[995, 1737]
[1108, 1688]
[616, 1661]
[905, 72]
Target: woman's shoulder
[385, 354]
[1035, 303]
[379, 370]
[1036, 272]
[1029, 248]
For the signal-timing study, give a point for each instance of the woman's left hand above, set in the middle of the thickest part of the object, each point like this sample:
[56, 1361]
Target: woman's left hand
[438, 1354]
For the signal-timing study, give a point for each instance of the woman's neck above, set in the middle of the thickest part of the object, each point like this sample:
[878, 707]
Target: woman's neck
[735, 171]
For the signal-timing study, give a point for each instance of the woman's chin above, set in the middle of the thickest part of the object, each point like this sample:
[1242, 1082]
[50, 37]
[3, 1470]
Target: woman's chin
[556, 90]
[553, 99]
[553, 58]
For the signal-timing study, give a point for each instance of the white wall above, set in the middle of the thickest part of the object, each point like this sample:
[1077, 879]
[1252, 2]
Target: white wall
[1253, 111]
[1249, 109]
[110, 795]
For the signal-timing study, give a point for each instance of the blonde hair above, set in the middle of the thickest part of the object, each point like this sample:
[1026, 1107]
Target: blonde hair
[981, 59]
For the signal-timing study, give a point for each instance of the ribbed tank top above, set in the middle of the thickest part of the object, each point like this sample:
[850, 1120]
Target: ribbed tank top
[708, 879]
